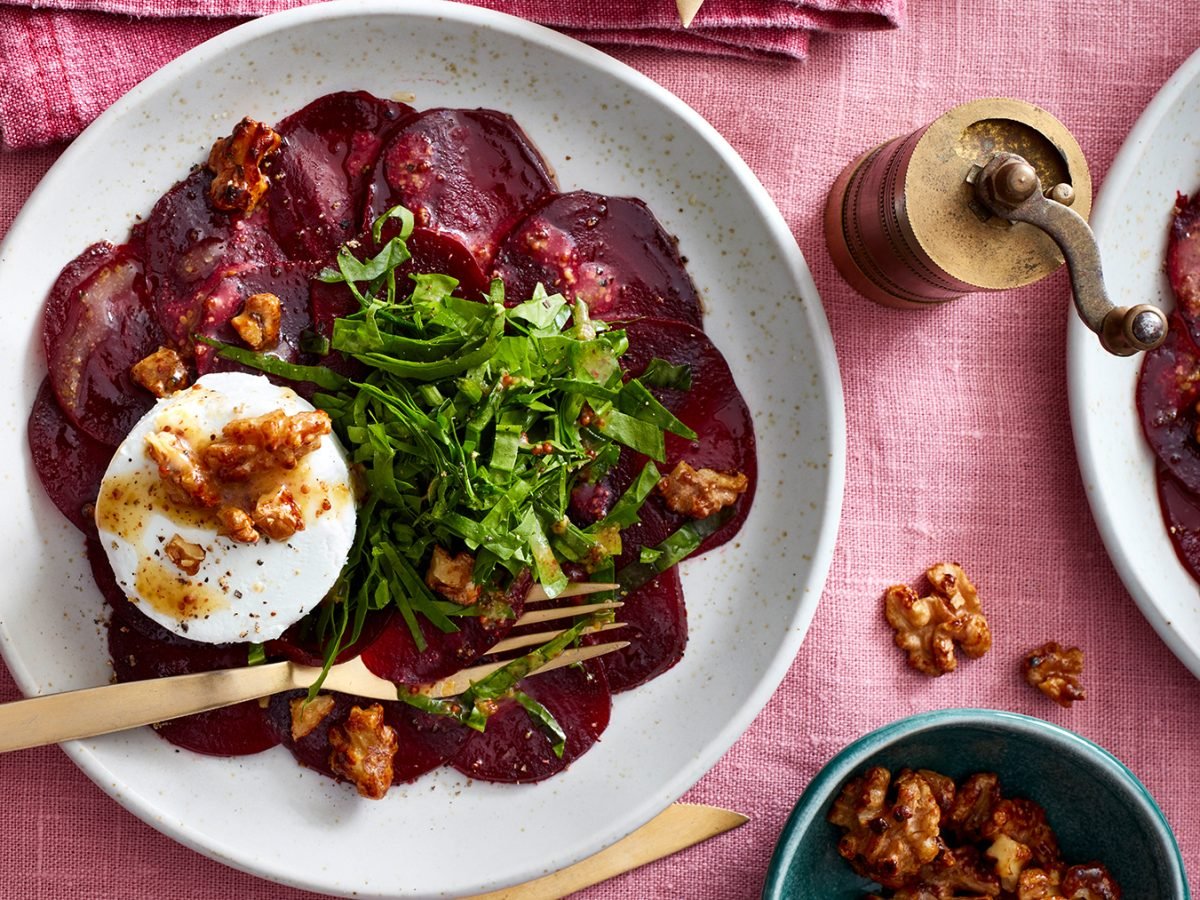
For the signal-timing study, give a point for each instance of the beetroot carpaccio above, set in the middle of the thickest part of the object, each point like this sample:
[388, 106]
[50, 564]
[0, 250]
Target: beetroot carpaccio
[320, 190]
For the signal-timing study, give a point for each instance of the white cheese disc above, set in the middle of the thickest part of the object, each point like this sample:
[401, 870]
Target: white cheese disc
[240, 591]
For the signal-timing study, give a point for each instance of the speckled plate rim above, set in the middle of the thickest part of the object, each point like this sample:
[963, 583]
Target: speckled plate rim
[818, 555]
[812, 802]
[1115, 462]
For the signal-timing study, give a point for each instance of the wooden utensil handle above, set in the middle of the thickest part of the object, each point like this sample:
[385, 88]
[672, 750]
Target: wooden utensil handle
[51, 718]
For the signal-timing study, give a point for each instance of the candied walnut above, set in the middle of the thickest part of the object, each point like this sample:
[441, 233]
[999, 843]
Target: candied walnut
[308, 714]
[277, 515]
[363, 748]
[929, 628]
[258, 322]
[161, 373]
[236, 524]
[1090, 882]
[1040, 884]
[701, 492]
[239, 182]
[1054, 670]
[179, 466]
[451, 576]
[186, 555]
[942, 787]
[1025, 822]
[974, 801]
[953, 874]
[1011, 858]
[887, 840]
[272, 441]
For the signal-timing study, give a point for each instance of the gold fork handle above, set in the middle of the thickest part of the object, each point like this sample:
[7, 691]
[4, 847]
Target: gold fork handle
[51, 718]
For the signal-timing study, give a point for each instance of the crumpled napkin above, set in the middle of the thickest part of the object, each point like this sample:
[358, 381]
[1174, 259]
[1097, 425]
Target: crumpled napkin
[65, 61]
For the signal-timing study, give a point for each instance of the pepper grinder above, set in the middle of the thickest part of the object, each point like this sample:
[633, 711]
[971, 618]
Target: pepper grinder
[992, 195]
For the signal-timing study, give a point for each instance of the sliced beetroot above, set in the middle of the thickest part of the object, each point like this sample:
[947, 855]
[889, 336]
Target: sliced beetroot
[224, 296]
[656, 627]
[516, 749]
[1181, 510]
[469, 174]
[142, 649]
[319, 176]
[301, 645]
[394, 655]
[99, 322]
[1183, 261]
[187, 242]
[1167, 391]
[608, 251]
[713, 408]
[425, 741]
[69, 464]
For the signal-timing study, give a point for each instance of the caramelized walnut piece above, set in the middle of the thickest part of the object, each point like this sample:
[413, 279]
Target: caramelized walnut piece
[891, 829]
[701, 492]
[277, 515]
[956, 873]
[1025, 822]
[1054, 670]
[236, 524]
[308, 714]
[974, 801]
[362, 750]
[928, 628]
[161, 373]
[236, 162]
[943, 789]
[258, 322]
[182, 470]
[186, 555]
[451, 576]
[1037, 883]
[272, 441]
[1086, 882]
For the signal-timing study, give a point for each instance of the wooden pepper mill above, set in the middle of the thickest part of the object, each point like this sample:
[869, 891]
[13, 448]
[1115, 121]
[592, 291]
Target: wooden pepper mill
[990, 196]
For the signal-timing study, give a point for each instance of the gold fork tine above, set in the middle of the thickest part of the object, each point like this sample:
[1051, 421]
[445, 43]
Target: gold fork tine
[460, 681]
[564, 612]
[531, 640]
[537, 593]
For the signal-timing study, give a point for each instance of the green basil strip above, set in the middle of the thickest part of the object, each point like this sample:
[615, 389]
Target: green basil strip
[257, 655]
[549, 572]
[625, 511]
[545, 718]
[661, 374]
[674, 549]
[273, 365]
[643, 437]
[636, 400]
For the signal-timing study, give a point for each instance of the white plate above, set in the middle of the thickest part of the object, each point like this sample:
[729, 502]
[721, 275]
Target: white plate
[602, 126]
[1160, 157]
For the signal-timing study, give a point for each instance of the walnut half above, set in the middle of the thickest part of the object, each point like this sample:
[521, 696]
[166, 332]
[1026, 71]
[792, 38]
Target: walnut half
[236, 162]
[929, 628]
[1054, 670]
[363, 748]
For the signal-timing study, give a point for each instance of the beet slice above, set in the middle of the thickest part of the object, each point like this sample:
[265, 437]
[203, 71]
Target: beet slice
[656, 627]
[1181, 510]
[224, 296]
[69, 464]
[394, 654]
[469, 174]
[425, 741]
[1167, 391]
[1183, 261]
[319, 176]
[713, 408]
[140, 649]
[608, 251]
[517, 750]
[188, 241]
[98, 322]
[300, 645]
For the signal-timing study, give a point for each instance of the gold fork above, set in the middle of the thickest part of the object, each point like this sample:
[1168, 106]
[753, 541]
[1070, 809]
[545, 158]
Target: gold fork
[66, 716]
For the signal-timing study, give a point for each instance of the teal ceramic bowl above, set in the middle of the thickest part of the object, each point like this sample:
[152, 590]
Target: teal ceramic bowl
[1097, 807]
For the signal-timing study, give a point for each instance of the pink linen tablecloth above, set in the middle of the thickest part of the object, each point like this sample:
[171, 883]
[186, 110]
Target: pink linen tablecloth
[959, 448]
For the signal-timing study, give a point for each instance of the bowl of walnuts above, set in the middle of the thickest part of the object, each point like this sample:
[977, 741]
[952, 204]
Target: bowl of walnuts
[975, 803]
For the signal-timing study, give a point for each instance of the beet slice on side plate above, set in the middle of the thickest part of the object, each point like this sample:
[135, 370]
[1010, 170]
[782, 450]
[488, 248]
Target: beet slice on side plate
[1183, 261]
[516, 749]
[98, 322]
[1181, 511]
[319, 175]
[610, 252]
[469, 174]
[1167, 392]
[69, 464]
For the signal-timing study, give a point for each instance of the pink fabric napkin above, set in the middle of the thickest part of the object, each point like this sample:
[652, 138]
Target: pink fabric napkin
[67, 60]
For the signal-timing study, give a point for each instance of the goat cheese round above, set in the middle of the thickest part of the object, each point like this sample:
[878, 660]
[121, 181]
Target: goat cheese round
[171, 553]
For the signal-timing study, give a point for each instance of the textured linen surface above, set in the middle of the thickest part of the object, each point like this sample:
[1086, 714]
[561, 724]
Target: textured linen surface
[67, 60]
[959, 448]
